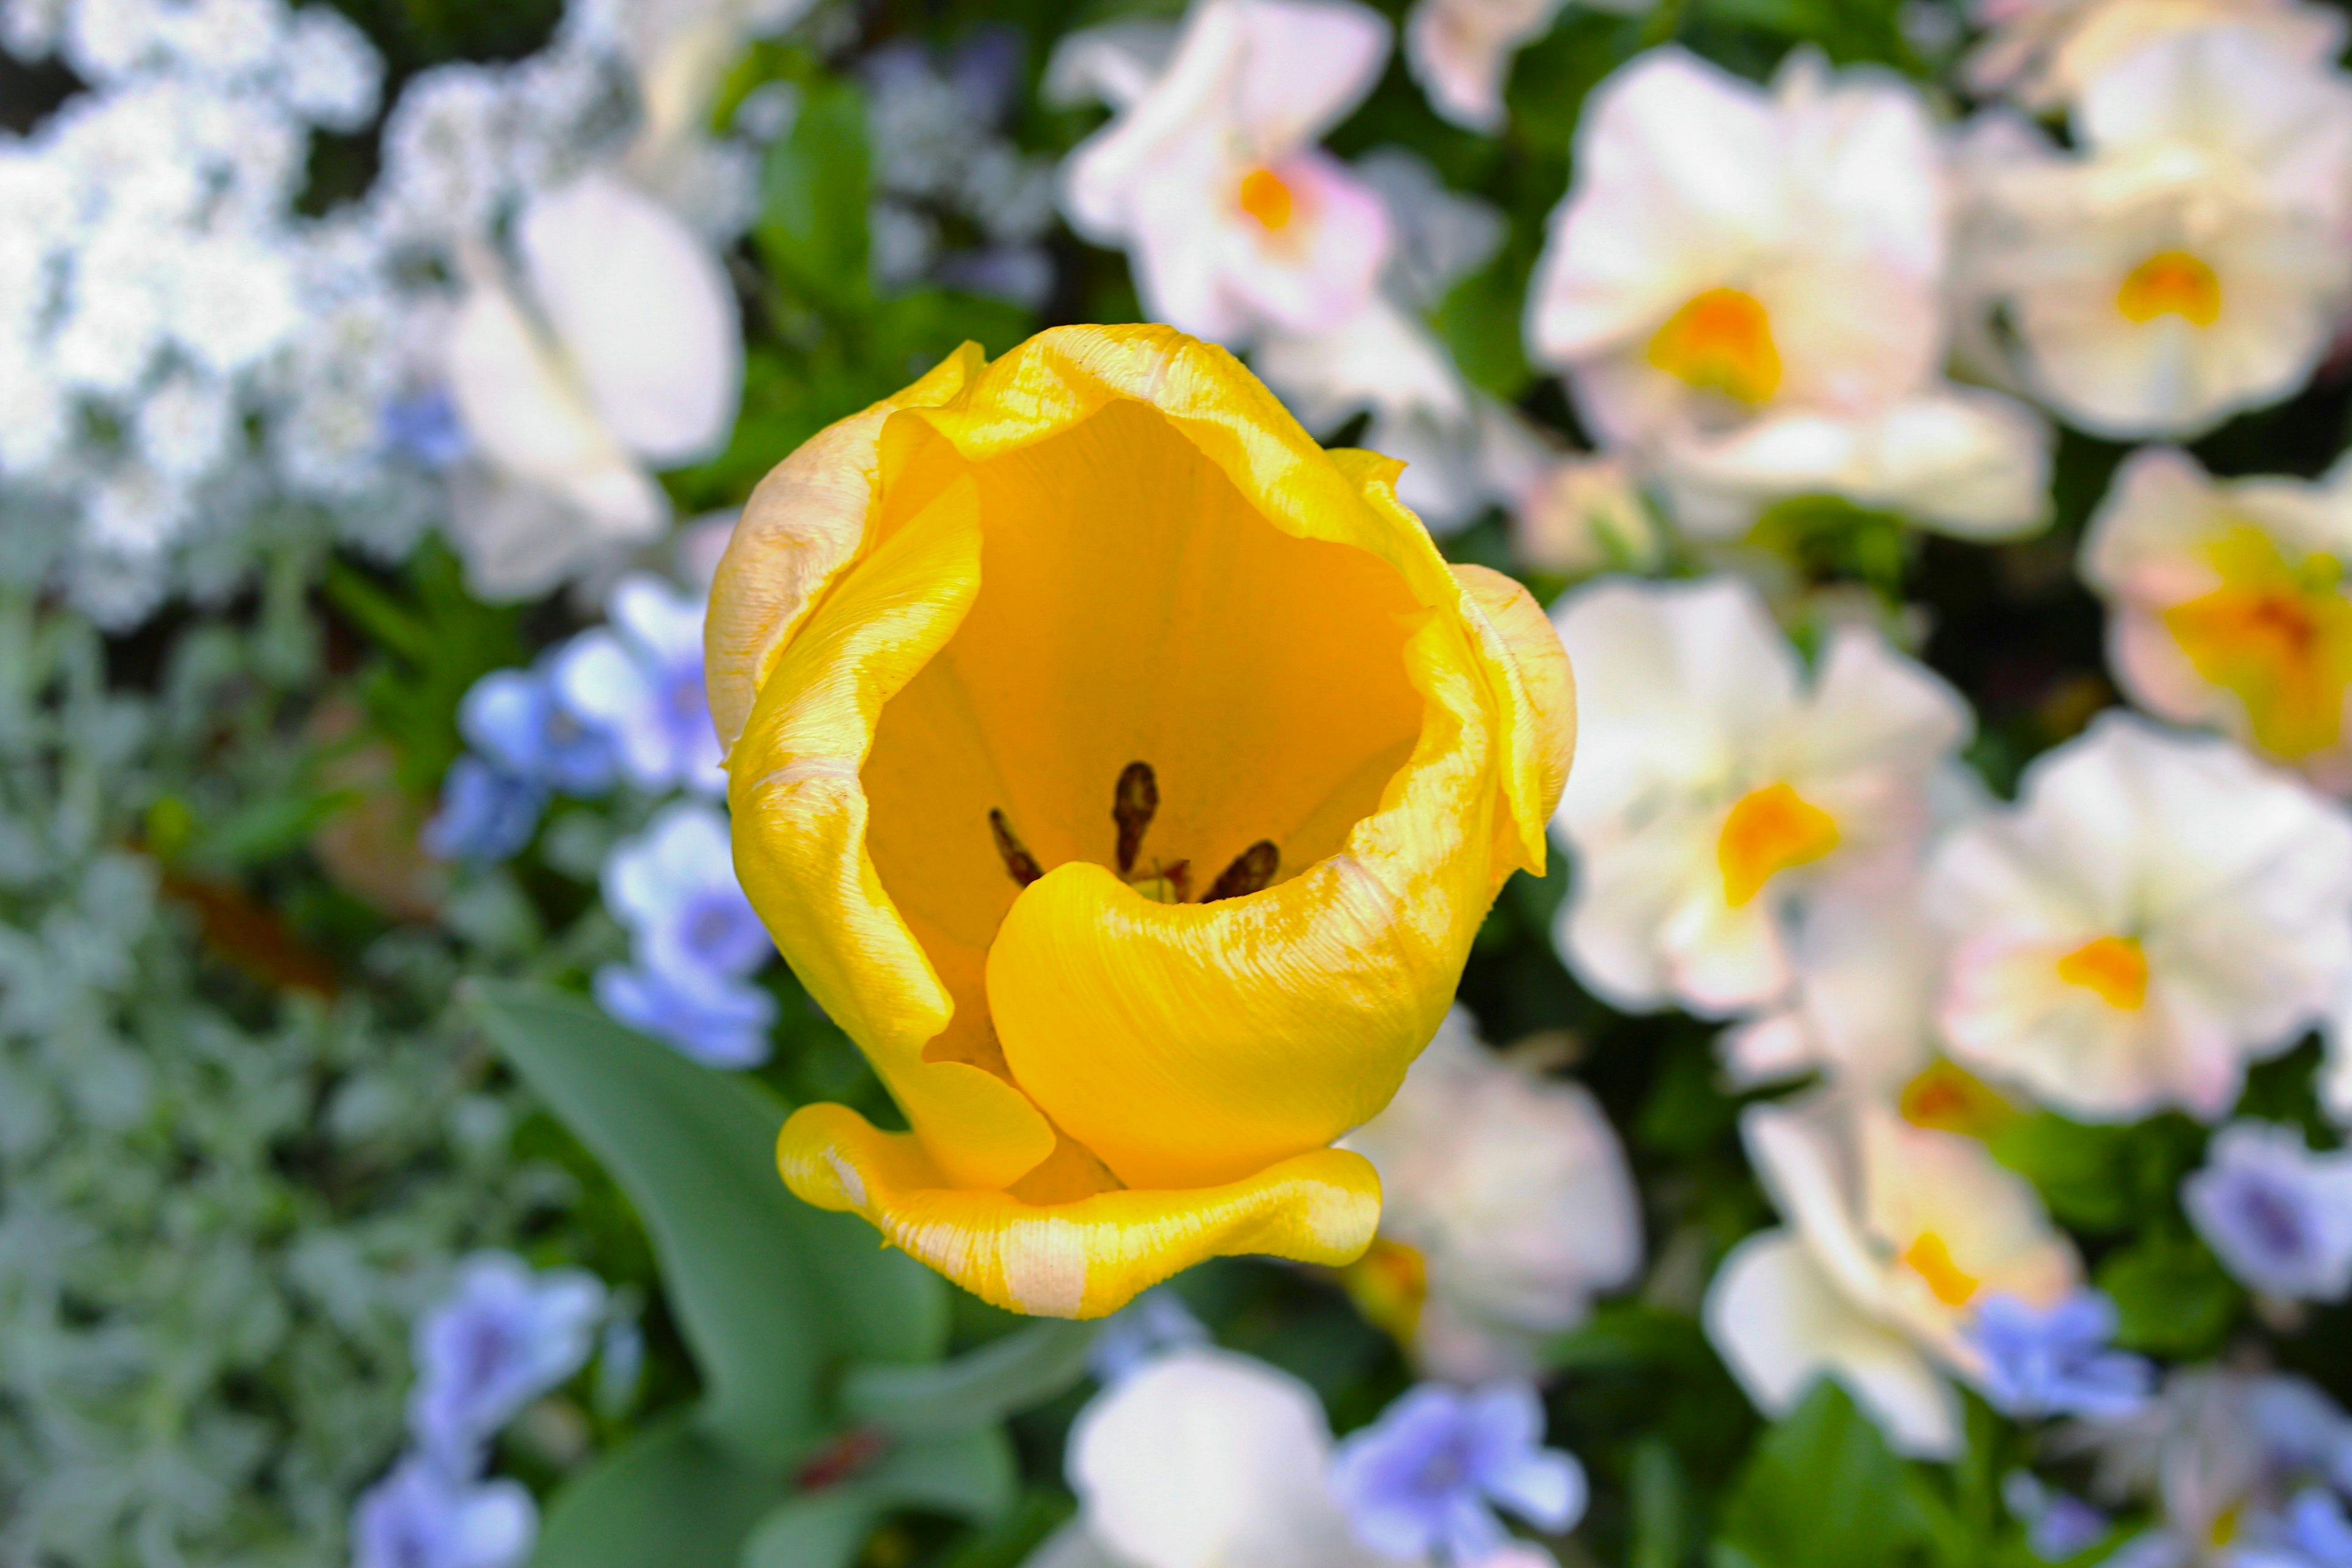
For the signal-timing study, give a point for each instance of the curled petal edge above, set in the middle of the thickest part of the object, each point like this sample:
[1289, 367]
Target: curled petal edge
[1085, 1258]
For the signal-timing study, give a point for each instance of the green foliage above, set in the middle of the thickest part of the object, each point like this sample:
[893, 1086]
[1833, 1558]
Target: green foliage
[2171, 1297]
[1822, 1491]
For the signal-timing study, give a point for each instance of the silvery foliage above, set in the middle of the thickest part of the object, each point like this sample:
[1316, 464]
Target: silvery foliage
[193, 372]
[220, 1207]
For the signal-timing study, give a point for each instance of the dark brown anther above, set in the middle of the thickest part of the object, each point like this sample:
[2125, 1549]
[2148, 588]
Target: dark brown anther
[1022, 865]
[1253, 868]
[1133, 806]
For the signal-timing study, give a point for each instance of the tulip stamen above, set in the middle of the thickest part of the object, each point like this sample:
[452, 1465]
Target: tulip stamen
[1251, 869]
[1133, 805]
[1022, 865]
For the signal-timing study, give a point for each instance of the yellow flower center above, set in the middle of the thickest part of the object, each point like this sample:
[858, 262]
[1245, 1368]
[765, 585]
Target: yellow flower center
[2171, 283]
[1768, 831]
[1947, 1097]
[2113, 967]
[1134, 803]
[1930, 1259]
[2278, 635]
[1267, 197]
[1390, 1285]
[1721, 340]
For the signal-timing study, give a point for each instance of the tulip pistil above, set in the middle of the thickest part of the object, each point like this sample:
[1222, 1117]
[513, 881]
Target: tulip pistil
[1135, 801]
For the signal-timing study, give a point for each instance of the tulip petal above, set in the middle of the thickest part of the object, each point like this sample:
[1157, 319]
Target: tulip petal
[1531, 653]
[806, 522]
[800, 832]
[1083, 1258]
[1186, 1044]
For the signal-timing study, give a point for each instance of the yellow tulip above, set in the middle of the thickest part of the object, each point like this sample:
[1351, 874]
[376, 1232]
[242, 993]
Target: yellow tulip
[1127, 777]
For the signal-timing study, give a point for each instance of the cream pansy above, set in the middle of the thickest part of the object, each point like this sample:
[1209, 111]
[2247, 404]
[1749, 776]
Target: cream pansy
[1717, 787]
[2227, 604]
[1505, 1207]
[614, 349]
[1896, 1235]
[1204, 1459]
[1209, 175]
[2155, 912]
[1461, 50]
[2188, 260]
[1745, 286]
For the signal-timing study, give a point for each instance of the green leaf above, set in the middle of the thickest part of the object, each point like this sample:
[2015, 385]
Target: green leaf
[1822, 1490]
[672, 1495]
[812, 224]
[2172, 1298]
[2101, 1178]
[969, 1475]
[1025, 1368]
[771, 1295]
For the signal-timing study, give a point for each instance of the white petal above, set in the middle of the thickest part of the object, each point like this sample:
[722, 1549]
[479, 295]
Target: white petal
[1779, 1325]
[644, 312]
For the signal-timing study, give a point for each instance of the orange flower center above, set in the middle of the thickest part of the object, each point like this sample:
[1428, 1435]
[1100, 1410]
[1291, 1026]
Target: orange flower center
[2171, 283]
[2113, 967]
[1931, 1259]
[1267, 197]
[1721, 340]
[2278, 635]
[1768, 831]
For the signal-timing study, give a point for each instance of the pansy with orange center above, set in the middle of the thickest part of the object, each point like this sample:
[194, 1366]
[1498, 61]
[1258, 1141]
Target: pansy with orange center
[2183, 260]
[1127, 777]
[1743, 288]
[1725, 791]
[2155, 912]
[2228, 606]
[1896, 1234]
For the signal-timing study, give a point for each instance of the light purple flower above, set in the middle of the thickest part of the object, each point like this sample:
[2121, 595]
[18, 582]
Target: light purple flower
[424, 428]
[718, 1023]
[2058, 1525]
[512, 717]
[2316, 1526]
[1140, 1332]
[674, 888]
[2278, 1215]
[487, 813]
[1429, 1474]
[639, 680]
[420, 1516]
[500, 1339]
[2057, 1362]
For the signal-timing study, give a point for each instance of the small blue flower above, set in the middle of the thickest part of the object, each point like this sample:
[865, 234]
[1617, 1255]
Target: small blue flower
[512, 717]
[1427, 1476]
[2278, 1215]
[425, 428]
[420, 1516]
[487, 813]
[2317, 1528]
[1140, 1332]
[2058, 1525]
[2057, 1362]
[502, 1337]
[719, 1023]
[639, 680]
[674, 888]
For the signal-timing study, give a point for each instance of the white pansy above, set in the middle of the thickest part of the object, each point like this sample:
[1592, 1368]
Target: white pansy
[1210, 178]
[1461, 50]
[1507, 1205]
[2042, 53]
[2227, 605]
[627, 355]
[1717, 786]
[2186, 261]
[1746, 288]
[2155, 912]
[1463, 450]
[1861, 1010]
[1206, 1460]
[1895, 1234]
[1581, 514]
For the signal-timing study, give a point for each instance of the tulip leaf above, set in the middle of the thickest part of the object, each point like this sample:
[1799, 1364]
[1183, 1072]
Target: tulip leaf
[813, 223]
[979, 1388]
[771, 1295]
[972, 1475]
[1822, 1490]
[671, 1495]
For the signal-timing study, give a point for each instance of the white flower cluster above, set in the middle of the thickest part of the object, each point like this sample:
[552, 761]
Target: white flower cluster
[190, 361]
